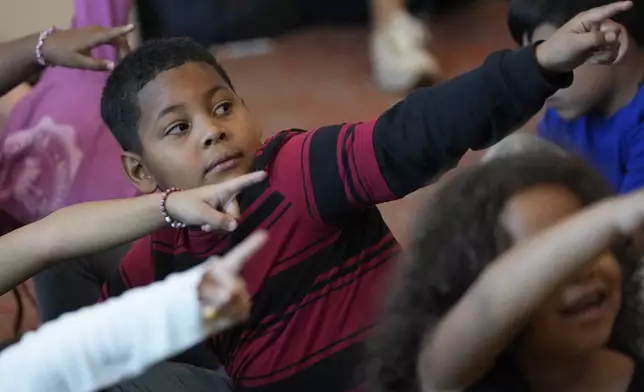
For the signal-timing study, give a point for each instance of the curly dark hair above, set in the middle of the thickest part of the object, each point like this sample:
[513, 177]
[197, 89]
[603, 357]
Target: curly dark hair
[456, 238]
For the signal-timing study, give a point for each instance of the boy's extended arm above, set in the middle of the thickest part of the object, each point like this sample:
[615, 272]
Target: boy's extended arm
[342, 167]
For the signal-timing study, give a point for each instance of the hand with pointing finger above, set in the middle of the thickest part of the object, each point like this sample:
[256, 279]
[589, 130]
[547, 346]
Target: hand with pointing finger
[589, 37]
[222, 293]
[212, 207]
[71, 48]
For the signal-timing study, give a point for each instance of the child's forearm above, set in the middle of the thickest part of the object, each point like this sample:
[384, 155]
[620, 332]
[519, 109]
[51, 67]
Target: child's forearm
[75, 231]
[485, 321]
[103, 344]
[98, 346]
[17, 62]
[428, 133]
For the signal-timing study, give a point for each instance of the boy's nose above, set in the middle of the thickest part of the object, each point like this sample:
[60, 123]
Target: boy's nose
[213, 137]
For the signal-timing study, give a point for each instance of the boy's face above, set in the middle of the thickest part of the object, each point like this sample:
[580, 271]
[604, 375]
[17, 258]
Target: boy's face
[590, 90]
[194, 131]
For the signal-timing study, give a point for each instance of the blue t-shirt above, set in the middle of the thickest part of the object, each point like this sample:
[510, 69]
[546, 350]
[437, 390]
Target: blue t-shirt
[613, 145]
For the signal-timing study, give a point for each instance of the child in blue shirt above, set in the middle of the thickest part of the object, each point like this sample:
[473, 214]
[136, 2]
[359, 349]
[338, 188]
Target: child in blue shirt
[601, 115]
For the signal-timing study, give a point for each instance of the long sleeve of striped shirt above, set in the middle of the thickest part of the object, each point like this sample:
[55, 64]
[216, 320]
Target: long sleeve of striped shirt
[100, 345]
[359, 165]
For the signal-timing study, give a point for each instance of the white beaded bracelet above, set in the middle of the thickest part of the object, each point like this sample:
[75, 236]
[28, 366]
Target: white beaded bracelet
[175, 224]
[41, 41]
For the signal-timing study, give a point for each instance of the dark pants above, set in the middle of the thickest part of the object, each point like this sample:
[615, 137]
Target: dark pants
[174, 377]
[74, 284]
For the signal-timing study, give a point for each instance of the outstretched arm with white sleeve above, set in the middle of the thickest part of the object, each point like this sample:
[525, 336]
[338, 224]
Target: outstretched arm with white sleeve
[101, 345]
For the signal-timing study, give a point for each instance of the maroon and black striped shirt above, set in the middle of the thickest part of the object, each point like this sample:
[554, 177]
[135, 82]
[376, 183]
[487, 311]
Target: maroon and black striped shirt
[329, 253]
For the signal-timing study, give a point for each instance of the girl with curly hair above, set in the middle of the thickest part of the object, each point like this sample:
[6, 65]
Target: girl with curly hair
[521, 278]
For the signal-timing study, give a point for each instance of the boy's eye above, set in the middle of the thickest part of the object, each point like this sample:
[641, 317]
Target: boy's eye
[177, 128]
[223, 108]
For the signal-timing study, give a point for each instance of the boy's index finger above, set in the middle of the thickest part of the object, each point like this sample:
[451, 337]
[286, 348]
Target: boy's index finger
[109, 35]
[234, 260]
[600, 14]
[228, 189]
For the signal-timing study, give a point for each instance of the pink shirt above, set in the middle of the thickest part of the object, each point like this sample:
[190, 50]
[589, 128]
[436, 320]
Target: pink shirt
[56, 150]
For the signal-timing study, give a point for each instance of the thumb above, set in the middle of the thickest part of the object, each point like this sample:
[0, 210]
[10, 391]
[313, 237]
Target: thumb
[87, 62]
[122, 48]
[216, 220]
[593, 40]
[232, 208]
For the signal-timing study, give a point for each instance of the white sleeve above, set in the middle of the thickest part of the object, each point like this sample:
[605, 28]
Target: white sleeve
[101, 345]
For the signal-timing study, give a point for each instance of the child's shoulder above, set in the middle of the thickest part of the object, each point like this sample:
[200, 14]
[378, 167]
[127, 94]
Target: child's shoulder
[279, 138]
[272, 146]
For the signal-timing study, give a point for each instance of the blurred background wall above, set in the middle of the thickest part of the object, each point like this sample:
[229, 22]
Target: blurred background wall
[42, 14]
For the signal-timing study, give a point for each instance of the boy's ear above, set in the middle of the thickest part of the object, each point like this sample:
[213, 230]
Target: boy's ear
[138, 173]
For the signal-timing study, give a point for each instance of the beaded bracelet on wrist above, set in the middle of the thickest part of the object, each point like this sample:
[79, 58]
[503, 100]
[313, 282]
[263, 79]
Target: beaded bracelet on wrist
[164, 211]
[41, 41]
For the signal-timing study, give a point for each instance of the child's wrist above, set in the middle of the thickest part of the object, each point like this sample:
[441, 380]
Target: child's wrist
[28, 50]
[156, 208]
[150, 204]
[548, 69]
[41, 58]
[624, 213]
[169, 217]
[547, 66]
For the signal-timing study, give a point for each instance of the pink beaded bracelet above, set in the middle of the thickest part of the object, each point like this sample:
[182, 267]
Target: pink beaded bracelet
[41, 41]
[175, 224]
